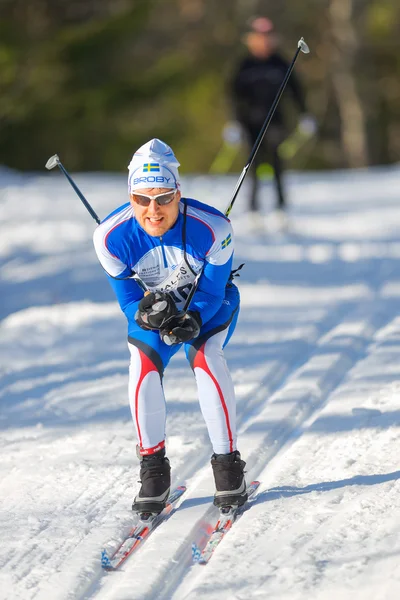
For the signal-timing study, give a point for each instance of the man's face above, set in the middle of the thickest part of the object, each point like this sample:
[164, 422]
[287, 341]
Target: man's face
[154, 218]
[260, 45]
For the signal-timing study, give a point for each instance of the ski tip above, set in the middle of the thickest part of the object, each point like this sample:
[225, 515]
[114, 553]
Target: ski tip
[252, 488]
[175, 495]
[105, 561]
[196, 553]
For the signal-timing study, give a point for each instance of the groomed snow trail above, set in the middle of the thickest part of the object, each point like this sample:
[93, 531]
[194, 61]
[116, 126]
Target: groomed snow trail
[315, 363]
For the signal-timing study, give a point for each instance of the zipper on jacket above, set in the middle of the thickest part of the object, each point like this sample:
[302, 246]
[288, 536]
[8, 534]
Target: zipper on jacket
[163, 253]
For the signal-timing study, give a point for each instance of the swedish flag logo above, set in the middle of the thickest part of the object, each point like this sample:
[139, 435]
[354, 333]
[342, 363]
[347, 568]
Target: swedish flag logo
[226, 241]
[147, 167]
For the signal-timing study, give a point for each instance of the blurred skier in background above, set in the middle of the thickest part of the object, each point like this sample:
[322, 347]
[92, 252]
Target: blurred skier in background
[167, 240]
[253, 89]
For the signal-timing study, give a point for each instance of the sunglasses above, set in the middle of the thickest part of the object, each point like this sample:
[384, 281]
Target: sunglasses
[161, 199]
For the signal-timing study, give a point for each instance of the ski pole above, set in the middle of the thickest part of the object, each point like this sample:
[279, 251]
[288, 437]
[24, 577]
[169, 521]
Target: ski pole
[55, 161]
[301, 47]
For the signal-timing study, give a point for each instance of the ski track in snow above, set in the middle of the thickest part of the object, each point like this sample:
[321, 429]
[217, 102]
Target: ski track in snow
[315, 360]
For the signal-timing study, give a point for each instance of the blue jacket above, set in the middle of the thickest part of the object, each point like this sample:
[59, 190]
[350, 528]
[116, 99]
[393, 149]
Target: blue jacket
[201, 236]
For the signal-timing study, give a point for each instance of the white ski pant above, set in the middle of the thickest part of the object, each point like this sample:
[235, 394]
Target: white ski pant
[214, 385]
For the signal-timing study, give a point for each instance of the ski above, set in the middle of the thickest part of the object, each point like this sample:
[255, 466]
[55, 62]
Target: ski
[138, 533]
[224, 523]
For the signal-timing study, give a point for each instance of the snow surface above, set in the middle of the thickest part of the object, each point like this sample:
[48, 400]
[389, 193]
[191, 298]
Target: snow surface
[316, 364]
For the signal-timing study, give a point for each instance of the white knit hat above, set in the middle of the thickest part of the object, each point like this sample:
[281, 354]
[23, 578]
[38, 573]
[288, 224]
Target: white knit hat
[153, 165]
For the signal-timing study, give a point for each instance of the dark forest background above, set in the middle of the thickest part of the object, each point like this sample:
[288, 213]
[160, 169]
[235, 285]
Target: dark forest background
[94, 79]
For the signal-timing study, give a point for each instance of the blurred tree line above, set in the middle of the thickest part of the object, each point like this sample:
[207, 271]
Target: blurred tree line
[94, 79]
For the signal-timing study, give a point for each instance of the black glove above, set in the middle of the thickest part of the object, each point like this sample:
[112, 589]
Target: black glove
[181, 328]
[154, 309]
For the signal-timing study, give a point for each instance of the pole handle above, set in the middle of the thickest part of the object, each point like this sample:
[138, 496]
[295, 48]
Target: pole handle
[54, 161]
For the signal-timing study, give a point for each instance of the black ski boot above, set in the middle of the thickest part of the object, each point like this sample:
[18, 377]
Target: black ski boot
[155, 477]
[229, 479]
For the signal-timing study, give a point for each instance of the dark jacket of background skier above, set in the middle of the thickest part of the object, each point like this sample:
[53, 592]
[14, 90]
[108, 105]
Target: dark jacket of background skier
[254, 88]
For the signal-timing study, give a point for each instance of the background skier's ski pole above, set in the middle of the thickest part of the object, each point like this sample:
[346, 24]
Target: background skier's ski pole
[54, 161]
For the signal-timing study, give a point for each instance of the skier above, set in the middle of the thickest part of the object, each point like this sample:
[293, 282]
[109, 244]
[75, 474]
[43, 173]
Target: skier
[167, 240]
[253, 90]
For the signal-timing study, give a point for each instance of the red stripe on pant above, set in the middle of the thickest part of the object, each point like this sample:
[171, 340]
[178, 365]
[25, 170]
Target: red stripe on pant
[147, 366]
[201, 363]
[153, 450]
